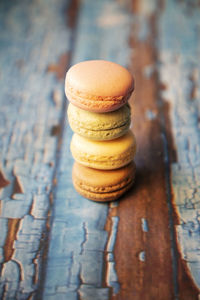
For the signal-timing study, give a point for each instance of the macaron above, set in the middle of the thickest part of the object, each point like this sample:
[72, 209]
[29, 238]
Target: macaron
[99, 126]
[104, 155]
[98, 85]
[103, 185]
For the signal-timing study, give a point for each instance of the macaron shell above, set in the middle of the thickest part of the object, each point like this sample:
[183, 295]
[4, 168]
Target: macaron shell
[103, 185]
[104, 155]
[102, 181]
[98, 85]
[104, 105]
[105, 197]
[99, 126]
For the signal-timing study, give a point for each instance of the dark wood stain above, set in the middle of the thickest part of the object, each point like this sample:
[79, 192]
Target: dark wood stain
[55, 130]
[151, 279]
[72, 13]
[188, 290]
[60, 67]
[17, 188]
[194, 87]
[165, 110]
[43, 250]
[3, 181]
[13, 226]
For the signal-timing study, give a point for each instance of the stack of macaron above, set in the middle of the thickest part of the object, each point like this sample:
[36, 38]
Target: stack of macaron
[103, 145]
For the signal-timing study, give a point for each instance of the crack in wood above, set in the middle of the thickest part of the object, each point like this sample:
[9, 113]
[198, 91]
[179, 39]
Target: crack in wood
[56, 130]
[13, 226]
[144, 224]
[3, 181]
[194, 84]
[17, 188]
[111, 274]
[85, 234]
[26, 147]
[184, 115]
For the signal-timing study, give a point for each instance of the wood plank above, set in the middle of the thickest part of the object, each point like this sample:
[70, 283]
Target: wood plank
[83, 264]
[31, 102]
[179, 72]
[53, 242]
[143, 249]
[151, 200]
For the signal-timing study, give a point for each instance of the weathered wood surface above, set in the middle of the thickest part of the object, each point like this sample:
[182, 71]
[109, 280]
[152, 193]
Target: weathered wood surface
[53, 242]
[179, 72]
[33, 34]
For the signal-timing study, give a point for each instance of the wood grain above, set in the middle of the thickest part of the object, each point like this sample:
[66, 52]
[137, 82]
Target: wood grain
[30, 31]
[143, 253]
[53, 242]
[83, 263]
[150, 199]
[179, 58]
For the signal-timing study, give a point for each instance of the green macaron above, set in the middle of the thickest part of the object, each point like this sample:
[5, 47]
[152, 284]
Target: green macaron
[99, 126]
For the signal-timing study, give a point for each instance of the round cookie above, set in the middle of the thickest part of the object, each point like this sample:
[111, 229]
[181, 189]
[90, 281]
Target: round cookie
[98, 85]
[99, 126]
[103, 185]
[105, 155]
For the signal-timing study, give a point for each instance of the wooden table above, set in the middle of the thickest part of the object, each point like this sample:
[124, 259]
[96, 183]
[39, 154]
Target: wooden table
[54, 244]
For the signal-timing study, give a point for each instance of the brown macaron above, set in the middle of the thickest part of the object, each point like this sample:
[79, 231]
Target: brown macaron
[103, 185]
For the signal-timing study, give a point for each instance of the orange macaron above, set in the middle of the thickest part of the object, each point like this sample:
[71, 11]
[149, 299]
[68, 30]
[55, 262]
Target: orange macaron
[103, 185]
[98, 85]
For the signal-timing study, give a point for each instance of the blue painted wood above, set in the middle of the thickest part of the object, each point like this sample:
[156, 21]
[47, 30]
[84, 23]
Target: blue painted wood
[80, 259]
[76, 266]
[179, 46]
[29, 32]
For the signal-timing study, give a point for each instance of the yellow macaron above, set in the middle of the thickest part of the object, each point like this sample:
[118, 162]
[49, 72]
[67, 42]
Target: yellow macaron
[105, 155]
